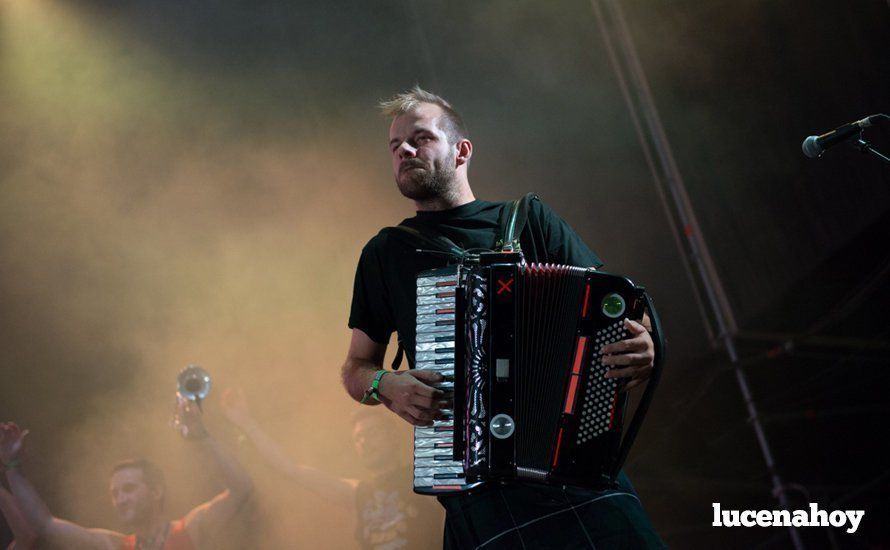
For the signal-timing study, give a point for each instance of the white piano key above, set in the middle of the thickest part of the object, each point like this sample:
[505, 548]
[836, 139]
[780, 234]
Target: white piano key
[431, 290]
[435, 308]
[439, 280]
[436, 455]
[445, 369]
[440, 337]
[454, 472]
[436, 476]
[434, 356]
[432, 482]
[433, 346]
[421, 463]
[435, 329]
[440, 465]
[446, 319]
[438, 470]
[428, 299]
[431, 432]
[433, 442]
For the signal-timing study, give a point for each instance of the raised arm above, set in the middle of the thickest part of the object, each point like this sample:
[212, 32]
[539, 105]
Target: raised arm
[24, 535]
[408, 393]
[55, 532]
[338, 490]
[207, 519]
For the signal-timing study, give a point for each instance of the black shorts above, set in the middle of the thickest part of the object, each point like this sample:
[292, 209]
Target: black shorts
[517, 516]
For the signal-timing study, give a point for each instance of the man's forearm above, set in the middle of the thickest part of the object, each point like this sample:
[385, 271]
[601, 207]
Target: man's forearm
[22, 531]
[357, 377]
[35, 512]
[53, 532]
[338, 490]
[234, 476]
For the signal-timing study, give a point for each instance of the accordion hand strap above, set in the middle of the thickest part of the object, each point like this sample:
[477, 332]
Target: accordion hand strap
[660, 342]
[512, 223]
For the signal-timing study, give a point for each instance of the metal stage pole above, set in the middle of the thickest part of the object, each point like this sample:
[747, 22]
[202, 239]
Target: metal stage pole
[635, 88]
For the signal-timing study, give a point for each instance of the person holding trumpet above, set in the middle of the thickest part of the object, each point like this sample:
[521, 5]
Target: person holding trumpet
[137, 494]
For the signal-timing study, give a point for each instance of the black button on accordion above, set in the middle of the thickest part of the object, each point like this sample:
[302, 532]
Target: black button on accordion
[519, 345]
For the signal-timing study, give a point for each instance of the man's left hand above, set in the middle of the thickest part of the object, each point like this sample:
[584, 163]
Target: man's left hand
[635, 356]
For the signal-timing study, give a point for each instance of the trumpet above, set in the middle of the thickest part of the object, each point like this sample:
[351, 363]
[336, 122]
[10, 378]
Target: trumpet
[193, 383]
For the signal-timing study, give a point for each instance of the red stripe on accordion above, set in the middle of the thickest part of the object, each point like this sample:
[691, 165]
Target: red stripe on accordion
[579, 354]
[586, 302]
[558, 444]
[447, 487]
[445, 310]
[570, 398]
[447, 283]
[576, 371]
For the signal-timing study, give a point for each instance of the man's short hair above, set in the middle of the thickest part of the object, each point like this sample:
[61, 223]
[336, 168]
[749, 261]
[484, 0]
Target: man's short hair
[409, 100]
[151, 472]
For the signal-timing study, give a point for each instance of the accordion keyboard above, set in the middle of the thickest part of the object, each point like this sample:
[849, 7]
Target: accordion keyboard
[435, 470]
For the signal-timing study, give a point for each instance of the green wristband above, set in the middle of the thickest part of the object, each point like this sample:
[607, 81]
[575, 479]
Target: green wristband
[11, 465]
[372, 391]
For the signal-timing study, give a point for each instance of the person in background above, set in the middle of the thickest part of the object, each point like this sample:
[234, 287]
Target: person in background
[137, 494]
[389, 516]
[24, 536]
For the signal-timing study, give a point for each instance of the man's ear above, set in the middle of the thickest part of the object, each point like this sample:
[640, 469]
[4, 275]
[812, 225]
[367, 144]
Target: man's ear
[464, 152]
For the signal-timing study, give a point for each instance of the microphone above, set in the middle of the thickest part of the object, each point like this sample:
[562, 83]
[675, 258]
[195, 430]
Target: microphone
[814, 146]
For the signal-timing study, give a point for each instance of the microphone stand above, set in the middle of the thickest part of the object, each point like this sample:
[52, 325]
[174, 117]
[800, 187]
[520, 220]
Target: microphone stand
[866, 147]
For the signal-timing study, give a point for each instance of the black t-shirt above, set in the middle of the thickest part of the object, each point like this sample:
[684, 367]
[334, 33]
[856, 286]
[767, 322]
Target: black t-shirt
[392, 517]
[384, 300]
[385, 294]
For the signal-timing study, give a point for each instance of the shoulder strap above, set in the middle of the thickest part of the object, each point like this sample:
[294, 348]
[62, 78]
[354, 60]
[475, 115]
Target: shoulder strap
[512, 222]
[434, 242]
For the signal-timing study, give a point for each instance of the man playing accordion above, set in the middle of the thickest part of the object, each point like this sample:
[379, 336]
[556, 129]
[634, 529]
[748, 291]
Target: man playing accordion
[430, 155]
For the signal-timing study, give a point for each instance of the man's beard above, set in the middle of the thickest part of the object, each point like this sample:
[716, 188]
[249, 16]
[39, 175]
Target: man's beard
[424, 184]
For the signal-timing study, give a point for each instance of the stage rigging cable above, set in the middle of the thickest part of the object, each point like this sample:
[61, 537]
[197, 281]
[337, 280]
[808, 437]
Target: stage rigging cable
[693, 249]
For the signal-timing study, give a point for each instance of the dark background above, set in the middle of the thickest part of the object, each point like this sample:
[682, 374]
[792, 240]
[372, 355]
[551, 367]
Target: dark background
[190, 181]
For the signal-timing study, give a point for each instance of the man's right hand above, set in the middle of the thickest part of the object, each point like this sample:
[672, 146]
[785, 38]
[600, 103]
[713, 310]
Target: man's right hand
[410, 395]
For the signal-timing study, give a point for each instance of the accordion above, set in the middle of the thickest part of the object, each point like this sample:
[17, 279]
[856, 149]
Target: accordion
[520, 348]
